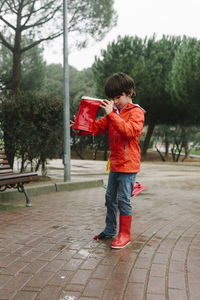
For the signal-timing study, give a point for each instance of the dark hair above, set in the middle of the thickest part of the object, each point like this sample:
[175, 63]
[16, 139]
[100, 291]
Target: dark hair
[118, 84]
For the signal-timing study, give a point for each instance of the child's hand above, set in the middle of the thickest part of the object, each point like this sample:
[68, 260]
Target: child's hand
[107, 106]
[76, 131]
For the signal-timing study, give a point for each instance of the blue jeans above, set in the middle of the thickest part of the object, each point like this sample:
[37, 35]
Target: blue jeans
[118, 194]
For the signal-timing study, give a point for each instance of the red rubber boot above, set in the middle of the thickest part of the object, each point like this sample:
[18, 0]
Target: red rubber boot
[124, 236]
[87, 114]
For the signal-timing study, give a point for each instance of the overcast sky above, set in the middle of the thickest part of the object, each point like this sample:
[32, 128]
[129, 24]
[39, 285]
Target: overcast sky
[137, 17]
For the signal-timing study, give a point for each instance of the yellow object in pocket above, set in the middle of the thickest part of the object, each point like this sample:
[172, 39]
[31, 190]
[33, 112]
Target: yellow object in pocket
[108, 166]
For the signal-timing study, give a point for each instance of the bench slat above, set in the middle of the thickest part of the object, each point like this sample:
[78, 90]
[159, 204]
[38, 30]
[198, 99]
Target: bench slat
[11, 179]
[5, 171]
[4, 162]
[17, 175]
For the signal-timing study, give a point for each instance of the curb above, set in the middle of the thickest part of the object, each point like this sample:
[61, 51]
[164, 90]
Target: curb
[37, 190]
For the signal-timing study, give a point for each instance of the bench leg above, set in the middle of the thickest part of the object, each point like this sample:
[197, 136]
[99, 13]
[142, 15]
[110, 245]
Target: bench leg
[21, 189]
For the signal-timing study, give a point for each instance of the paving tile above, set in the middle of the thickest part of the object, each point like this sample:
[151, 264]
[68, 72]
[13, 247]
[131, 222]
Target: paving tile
[6, 261]
[194, 291]
[142, 263]
[138, 275]
[156, 285]
[81, 277]
[123, 267]
[22, 251]
[47, 252]
[6, 294]
[155, 297]
[49, 255]
[111, 294]
[117, 281]
[31, 256]
[161, 258]
[49, 293]
[54, 266]
[176, 266]
[176, 294]
[134, 291]
[102, 272]
[34, 267]
[90, 263]
[94, 287]
[61, 278]
[158, 270]
[75, 287]
[72, 265]
[17, 282]
[66, 254]
[39, 279]
[69, 295]
[14, 268]
[177, 280]
[4, 278]
[88, 298]
[23, 295]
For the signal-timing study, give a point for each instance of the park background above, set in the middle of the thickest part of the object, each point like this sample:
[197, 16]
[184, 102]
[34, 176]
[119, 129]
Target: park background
[155, 44]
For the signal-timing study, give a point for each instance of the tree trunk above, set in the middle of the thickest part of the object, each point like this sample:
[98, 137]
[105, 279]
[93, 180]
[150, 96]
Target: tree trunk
[147, 139]
[161, 156]
[105, 156]
[166, 145]
[16, 71]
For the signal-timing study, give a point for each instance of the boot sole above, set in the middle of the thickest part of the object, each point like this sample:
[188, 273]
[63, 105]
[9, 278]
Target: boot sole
[118, 247]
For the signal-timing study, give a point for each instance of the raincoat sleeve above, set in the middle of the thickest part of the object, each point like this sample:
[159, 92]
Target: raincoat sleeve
[131, 128]
[100, 126]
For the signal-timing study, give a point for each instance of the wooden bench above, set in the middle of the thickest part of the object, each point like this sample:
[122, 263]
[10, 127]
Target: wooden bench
[9, 179]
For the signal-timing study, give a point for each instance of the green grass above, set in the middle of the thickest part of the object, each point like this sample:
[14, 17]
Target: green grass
[195, 152]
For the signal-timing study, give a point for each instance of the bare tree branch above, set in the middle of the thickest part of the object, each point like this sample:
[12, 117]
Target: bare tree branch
[51, 37]
[28, 16]
[7, 23]
[43, 20]
[5, 43]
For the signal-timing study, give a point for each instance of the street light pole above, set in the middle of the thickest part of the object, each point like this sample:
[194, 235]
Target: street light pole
[66, 104]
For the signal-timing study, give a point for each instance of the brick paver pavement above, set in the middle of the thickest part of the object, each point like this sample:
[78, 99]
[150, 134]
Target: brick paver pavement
[47, 251]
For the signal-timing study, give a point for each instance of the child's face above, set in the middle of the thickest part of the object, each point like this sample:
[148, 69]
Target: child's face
[121, 101]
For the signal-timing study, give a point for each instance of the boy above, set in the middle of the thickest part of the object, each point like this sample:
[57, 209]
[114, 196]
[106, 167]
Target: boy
[124, 122]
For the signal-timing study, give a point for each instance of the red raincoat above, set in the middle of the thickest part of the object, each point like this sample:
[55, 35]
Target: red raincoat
[124, 131]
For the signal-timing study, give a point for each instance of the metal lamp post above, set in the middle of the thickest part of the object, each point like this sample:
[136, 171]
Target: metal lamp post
[66, 104]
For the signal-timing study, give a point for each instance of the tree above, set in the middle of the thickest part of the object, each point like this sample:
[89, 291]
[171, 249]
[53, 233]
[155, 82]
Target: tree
[39, 21]
[33, 126]
[53, 80]
[122, 55]
[81, 83]
[153, 93]
[149, 62]
[175, 139]
[32, 69]
[185, 79]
